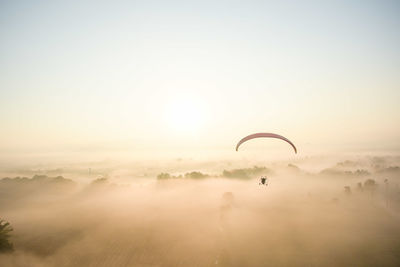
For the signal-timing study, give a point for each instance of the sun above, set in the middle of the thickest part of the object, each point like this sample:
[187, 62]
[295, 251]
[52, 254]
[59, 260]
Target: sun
[185, 115]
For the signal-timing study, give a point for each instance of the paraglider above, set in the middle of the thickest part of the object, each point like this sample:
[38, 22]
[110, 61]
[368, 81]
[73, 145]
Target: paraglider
[262, 135]
[264, 179]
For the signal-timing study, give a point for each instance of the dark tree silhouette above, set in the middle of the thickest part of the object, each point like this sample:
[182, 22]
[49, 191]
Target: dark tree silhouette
[5, 244]
[370, 185]
[195, 175]
[360, 187]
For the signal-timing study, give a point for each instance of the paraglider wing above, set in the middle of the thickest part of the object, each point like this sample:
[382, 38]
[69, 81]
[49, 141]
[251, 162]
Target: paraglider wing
[262, 135]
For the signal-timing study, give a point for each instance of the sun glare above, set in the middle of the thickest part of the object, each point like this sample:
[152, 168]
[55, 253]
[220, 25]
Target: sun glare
[185, 115]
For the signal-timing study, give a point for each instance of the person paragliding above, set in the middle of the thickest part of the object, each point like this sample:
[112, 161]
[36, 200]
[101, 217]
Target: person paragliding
[263, 180]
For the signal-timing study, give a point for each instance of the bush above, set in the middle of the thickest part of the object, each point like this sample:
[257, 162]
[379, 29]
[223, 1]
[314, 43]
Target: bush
[162, 176]
[245, 173]
[5, 244]
[196, 175]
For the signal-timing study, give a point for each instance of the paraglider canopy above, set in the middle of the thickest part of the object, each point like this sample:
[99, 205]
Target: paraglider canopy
[262, 135]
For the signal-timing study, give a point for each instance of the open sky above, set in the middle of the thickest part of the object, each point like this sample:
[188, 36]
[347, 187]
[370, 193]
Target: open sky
[198, 74]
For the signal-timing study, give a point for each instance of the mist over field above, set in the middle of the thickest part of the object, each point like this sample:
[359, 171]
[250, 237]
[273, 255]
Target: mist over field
[186, 212]
[139, 133]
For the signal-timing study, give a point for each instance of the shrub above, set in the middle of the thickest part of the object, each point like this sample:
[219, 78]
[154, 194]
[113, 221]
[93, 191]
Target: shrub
[5, 244]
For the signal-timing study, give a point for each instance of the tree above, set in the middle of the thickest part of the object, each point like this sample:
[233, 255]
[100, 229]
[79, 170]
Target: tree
[370, 185]
[195, 175]
[163, 176]
[360, 187]
[5, 244]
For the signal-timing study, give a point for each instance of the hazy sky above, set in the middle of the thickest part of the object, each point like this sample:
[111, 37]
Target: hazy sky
[198, 74]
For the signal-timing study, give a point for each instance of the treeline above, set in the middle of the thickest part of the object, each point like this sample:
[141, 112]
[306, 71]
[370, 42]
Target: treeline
[335, 172]
[246, 173]
[190, 175]
[36, 179]
[369, 185]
